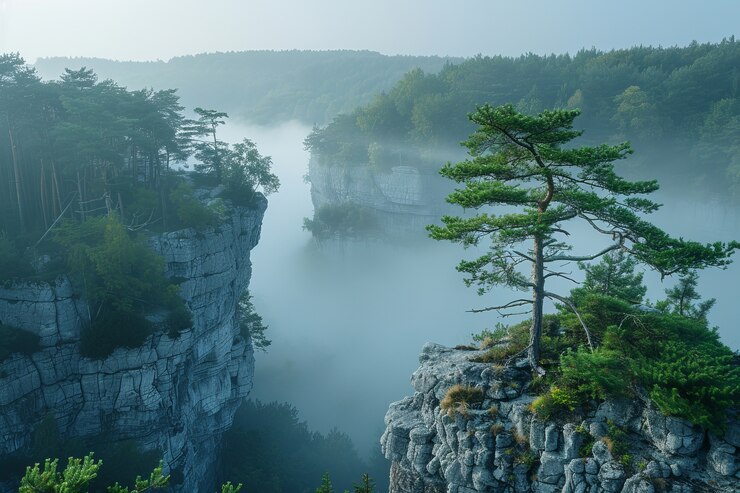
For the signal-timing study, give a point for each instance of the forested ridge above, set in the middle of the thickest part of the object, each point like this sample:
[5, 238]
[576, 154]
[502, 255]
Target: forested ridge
[86, 168]
[263, 86]
[678, 106]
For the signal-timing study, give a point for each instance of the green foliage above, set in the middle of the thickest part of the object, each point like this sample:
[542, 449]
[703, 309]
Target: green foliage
[613, 276]
[367, 484]
[503, 342]
[594, 375]
[527, 163]
[698, 382]
[683, 299]
[616, 442]
[47, 479]
[250, 323]
[270, 449]
[341, 222]
[681, 100]
[123, 279]
[156, 481]
[14, 340]
[230, 488]
[326, 486]
[680, 361]
[190, 211]
[79, 475]
[248, 172]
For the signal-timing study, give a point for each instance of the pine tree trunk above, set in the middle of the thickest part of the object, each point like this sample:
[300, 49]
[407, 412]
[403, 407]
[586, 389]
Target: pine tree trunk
[538, 298]
[18, 181]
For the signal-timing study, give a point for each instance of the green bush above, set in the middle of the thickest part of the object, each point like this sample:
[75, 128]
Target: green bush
[14, 340]
[595, 375]
[698, 382]
[123, 281]
[190, 211]
[250, 323]
[688, 372]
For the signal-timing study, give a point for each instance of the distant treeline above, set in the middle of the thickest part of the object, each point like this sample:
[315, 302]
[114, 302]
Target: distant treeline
[263, 86]
[678, 106]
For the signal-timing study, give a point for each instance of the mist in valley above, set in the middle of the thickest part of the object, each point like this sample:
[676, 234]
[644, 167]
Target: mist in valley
[348, 322]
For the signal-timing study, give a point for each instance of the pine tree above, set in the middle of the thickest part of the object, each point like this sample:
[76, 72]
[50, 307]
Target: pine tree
[527, 163]
[683, 299]
[326, 486]
[367, 485]
[613, 276]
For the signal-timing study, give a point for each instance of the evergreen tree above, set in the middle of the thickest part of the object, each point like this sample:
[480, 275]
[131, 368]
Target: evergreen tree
[613, 276]
[367, 485]
[526, 162]
[326, 486]
[209, 150]
[683, 299]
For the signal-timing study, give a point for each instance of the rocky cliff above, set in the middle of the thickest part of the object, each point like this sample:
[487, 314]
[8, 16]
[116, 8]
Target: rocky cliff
[496, 444]
[173, 395]
[403, 199]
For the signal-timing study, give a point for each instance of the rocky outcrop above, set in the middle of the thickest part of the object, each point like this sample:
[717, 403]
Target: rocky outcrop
[175, 395]
[403, 200]
[498, 445]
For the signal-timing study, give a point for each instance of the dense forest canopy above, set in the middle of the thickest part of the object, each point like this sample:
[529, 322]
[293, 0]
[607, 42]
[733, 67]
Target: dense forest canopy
[678, 106]
[270, 86]
[79, 147]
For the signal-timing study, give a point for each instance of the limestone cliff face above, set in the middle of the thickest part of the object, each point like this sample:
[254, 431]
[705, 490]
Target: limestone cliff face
[403, 199]
[511, 450]
[174, 395]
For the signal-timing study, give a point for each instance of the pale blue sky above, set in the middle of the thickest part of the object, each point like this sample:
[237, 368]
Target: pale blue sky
[161, 29]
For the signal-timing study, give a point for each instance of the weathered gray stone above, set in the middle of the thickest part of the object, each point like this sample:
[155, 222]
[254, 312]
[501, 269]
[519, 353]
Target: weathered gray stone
[611, 476]
[466, 456]
[403, 199]
[638, 484]
[170, 394]
[722, 458]
[551, 438]
[601, 452]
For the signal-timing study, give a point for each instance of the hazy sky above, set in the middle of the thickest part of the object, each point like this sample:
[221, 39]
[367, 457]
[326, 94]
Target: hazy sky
[161, 29]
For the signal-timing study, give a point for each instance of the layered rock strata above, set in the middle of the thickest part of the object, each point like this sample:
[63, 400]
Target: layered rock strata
[403, 200]
[498, 445]
[175, 395]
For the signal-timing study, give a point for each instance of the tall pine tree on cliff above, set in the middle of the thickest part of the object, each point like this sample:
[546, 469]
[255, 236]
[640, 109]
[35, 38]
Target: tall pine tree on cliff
[527, 164]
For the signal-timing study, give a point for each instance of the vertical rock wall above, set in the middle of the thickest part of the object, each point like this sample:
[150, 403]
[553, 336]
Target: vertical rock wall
[174, 395]
[403, 200]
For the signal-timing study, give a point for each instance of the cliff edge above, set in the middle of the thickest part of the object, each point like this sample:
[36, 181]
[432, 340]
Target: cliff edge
[496, 444]
[174, 395]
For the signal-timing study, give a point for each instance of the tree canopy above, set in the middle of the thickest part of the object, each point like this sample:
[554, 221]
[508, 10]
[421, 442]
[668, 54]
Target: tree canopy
[530, 165]
[678, 105]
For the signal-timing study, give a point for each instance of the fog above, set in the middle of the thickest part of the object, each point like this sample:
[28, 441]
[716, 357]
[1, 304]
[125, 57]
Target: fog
[347, 325]
[147, 30]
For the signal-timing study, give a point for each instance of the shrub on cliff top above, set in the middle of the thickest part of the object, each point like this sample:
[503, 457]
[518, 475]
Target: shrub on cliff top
[123, 280]
[681, 362]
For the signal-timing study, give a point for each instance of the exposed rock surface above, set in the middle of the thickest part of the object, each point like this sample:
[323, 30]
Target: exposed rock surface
[402, 199]
[499, 446]
[174, 395]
